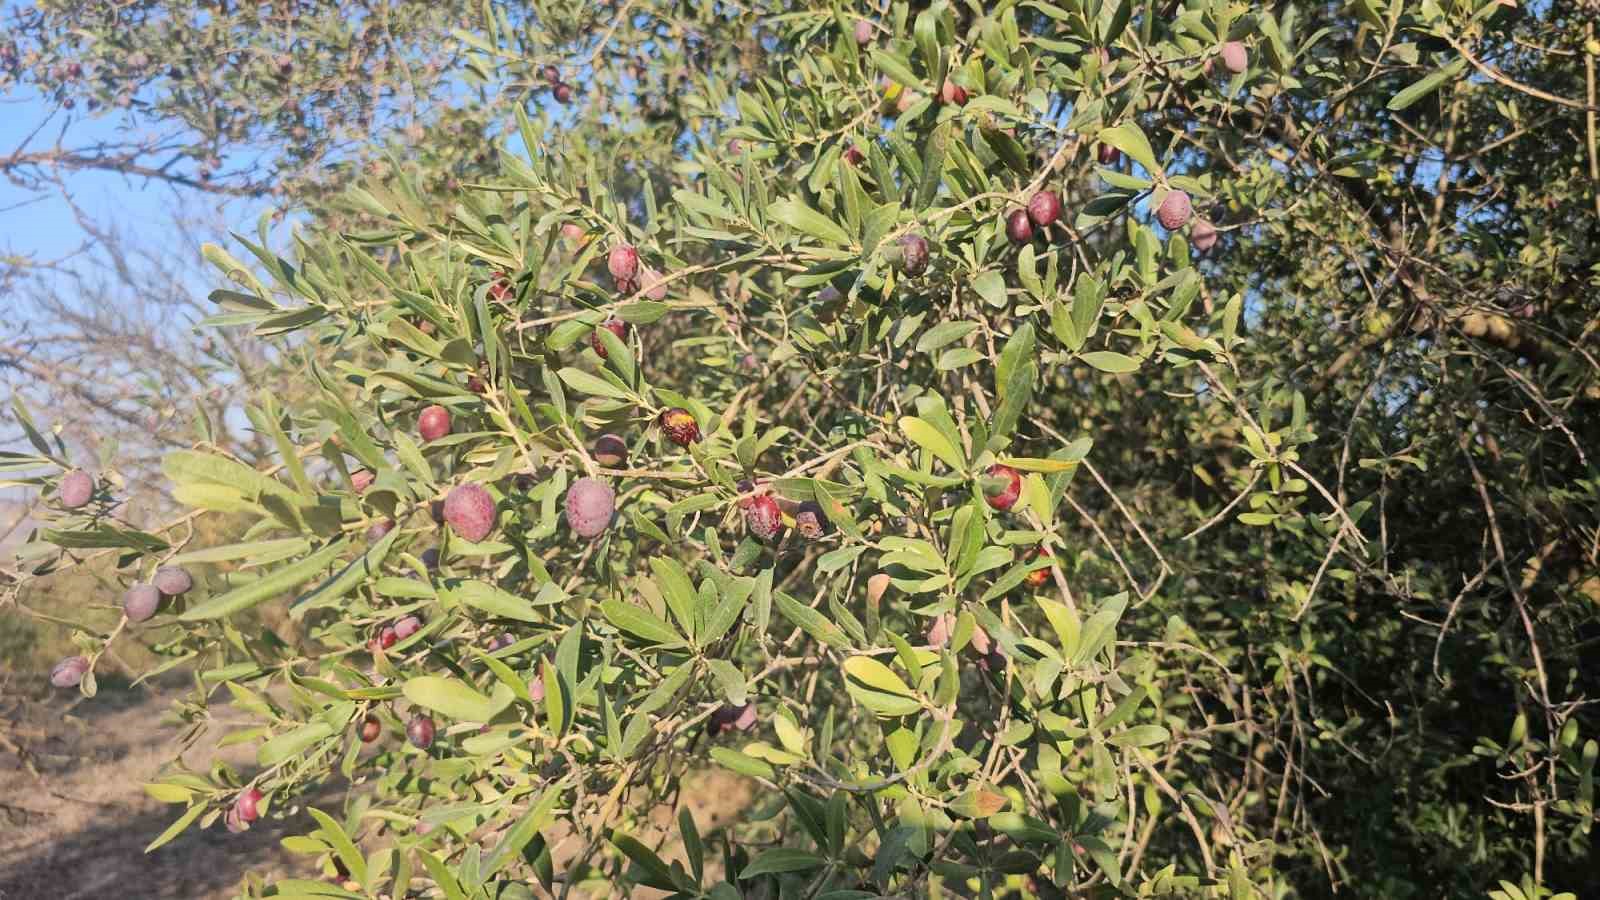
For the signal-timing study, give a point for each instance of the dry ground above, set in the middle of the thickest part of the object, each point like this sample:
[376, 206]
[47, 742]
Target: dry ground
[78, 830]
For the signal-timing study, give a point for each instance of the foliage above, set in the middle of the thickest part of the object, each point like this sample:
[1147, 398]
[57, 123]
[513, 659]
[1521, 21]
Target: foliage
[278, 98]
[1317, 528]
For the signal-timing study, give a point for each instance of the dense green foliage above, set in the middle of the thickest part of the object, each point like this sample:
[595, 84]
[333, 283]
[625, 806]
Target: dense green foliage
[1296, 590]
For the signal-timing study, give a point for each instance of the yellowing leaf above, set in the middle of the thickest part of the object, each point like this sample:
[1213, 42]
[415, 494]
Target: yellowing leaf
[169, 793]
[729, 758]
[789, 734]
[931, 439]
[764, 751]
[875, 675]
[876, 686]
[978, 803]
[1047, 466]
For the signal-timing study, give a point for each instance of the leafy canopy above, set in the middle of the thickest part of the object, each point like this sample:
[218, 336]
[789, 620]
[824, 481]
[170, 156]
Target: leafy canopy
[1293, 588]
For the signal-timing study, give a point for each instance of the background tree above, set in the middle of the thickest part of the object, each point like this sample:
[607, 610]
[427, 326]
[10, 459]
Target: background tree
[233, 99]
[1312, 325]
[242, 108]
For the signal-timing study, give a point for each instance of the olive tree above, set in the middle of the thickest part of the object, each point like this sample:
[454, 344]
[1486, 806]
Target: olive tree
[1016, 441]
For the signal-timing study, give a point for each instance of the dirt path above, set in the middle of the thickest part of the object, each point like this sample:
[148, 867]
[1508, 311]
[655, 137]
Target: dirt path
[79, 831]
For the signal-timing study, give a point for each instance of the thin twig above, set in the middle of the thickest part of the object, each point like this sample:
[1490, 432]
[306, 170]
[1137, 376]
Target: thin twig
[1254, 477]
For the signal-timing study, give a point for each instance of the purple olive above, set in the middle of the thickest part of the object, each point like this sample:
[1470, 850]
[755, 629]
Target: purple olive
[172, 580]
[1174, 210]
[1044, 208]
[913, 255]
[731, 718]
[76, 489]
[248, 806]
[1235, 57]
[406, 627]
[69, 672]
[1018, 227]
[590, 506]
[419, 731]
[141, 602]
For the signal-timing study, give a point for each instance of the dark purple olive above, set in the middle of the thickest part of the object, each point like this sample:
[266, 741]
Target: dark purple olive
[419, 731]
[1018, 227]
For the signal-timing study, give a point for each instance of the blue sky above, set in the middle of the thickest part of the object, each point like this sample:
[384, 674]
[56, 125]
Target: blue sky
[42, 225]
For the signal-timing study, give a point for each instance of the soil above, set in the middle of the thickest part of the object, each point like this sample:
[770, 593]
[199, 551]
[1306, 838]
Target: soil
[74, 819]
[76, 827]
